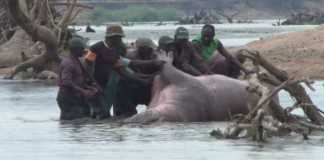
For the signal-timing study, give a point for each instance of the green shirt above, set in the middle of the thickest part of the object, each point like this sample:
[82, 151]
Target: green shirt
[206, 51]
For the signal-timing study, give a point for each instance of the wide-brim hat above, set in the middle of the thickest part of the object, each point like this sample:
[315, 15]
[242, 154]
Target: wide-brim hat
[114, 30]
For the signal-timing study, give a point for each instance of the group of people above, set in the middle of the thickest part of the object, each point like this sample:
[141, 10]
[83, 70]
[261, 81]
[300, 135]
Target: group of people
[110, 74]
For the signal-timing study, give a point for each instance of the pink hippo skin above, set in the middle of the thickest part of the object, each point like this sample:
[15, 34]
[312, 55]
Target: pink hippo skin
[180, 97]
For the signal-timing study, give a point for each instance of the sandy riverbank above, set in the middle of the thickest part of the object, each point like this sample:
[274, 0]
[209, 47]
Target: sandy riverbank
[300, 53]
[4, 71]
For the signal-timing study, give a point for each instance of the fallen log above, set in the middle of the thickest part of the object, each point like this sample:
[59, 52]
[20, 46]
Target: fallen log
[266, 117]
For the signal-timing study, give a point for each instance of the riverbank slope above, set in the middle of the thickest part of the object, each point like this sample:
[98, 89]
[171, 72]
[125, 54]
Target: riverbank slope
[300, 53]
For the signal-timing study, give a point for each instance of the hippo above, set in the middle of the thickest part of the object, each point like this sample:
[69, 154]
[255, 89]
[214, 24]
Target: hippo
[180, 97]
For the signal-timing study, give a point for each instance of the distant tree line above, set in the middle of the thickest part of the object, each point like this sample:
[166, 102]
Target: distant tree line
[137, 13]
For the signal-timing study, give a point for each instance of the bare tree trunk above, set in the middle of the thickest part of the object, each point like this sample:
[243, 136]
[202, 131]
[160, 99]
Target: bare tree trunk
[267, 118]
[228, 17]
[39, 20]
[296, 90]
[38, 33]
[6, 24]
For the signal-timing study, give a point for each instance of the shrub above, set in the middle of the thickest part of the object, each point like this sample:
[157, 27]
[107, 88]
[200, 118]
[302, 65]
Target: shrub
[139, 13]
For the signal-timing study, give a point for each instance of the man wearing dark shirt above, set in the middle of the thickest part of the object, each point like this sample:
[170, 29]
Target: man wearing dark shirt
[186, 57]
[106, 57]
[132, 94]
[75, 91]
[145, 50]
[166, 44]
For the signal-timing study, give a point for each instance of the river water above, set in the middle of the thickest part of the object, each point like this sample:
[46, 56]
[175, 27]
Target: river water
[30, 129]
[229, 34]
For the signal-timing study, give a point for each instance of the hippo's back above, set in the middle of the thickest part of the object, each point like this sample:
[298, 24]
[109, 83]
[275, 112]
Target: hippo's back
[229, 96]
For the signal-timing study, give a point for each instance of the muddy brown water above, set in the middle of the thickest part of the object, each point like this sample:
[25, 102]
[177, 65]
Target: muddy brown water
[30, 129]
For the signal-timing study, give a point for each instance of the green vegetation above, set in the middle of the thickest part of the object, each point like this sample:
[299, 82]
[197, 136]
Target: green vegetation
[139, 13]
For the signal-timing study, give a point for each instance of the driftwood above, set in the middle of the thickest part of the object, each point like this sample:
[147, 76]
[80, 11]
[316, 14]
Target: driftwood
[266, 116]
[228, 17]
[201, 17]
[39, 20]
[305, 17]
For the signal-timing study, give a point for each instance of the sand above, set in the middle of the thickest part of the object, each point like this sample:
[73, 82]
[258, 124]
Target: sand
[299, 53]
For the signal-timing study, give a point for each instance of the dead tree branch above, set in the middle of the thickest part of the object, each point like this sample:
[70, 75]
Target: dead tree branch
[295, 89]
[267, 117]
[40, 24]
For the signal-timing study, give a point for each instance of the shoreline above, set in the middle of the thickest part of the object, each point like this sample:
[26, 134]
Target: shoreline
[307, 68]
[301, 54]
[4, 71]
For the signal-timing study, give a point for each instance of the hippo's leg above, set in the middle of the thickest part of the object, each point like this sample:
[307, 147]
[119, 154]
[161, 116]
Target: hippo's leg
[158, 85]
[148, 116]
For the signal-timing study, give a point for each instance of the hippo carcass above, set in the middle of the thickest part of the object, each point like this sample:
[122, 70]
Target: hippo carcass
[180, 97]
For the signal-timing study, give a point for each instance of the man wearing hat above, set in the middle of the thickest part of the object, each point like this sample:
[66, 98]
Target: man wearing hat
[186, 57]
[131, 94]
[77, 92]
[165, 44]
[224, 63]
[144, 50]
[106, 56]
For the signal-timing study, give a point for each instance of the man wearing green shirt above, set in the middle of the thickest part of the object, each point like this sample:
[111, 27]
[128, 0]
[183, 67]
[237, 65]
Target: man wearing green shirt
[206, 45]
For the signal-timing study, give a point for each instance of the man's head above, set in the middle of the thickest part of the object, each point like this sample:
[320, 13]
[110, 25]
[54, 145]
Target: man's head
[181, 35]
[166, 43]
[145, 47]
[114, 34]
[77, 46]
[208, 34]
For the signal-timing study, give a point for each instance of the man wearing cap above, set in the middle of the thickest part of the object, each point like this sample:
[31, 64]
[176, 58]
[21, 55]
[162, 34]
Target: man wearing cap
[131, 94]
[165, 44]
[106, 57]
[206, 45]
[186, 57]
[77, 92]
[145, 50]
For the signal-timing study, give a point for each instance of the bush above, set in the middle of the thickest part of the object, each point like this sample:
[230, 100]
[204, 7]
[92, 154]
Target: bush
[139, 13]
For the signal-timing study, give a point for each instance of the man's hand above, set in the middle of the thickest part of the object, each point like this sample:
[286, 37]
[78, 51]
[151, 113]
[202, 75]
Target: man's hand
[159, 64]
[88, 93]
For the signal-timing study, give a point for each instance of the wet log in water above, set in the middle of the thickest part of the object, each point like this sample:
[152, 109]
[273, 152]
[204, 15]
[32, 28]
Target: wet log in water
[266, 116]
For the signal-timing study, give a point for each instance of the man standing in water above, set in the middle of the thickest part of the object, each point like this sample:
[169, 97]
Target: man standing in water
[77, 93]
[206, 45]
[166, 44]
[131, 94]
[186, 57]
[106, 56]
